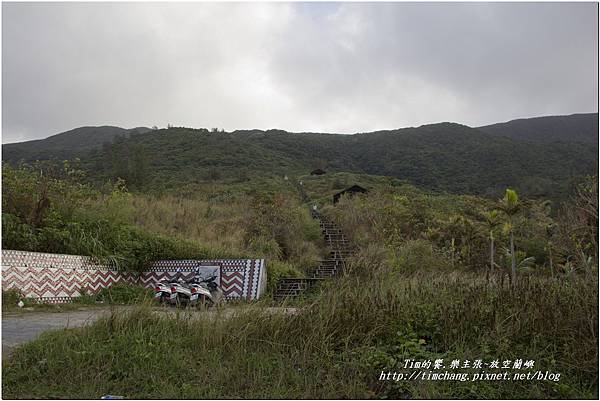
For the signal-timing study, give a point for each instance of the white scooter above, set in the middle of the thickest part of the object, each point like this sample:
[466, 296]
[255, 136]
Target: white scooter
[205, 292]
[180, 293]
[162, 291]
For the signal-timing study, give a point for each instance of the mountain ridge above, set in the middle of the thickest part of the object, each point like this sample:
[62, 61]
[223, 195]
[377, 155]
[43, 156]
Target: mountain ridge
[66, 144]
[582, 127]
[444, 156]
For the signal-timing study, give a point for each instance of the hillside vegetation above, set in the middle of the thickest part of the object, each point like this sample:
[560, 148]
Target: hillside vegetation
[420, 286]
[50, 208]
[416, 228]
[573, 128]
[438, 271]
[444, 157]
[66, 144]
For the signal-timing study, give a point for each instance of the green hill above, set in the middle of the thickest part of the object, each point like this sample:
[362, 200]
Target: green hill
[65, 144]
[445, 156]
[573, 128]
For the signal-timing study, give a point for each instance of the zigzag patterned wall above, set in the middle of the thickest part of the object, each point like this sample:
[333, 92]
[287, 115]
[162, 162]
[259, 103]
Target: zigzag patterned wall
[59, 278]
[240, 278]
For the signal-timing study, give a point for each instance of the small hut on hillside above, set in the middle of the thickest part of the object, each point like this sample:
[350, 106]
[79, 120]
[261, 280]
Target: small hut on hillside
[354, 189]
[317, 172]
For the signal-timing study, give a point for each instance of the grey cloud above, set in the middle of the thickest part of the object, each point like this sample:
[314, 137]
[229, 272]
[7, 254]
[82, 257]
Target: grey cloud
[338, 67]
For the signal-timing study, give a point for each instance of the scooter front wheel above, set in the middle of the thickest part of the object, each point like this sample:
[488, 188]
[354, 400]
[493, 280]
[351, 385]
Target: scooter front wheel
[203, 302]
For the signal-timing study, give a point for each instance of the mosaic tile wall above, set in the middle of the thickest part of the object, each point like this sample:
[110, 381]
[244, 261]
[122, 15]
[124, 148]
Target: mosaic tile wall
[59, 278]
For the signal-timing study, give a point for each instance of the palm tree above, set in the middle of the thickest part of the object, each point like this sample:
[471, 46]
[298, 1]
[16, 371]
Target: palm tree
[510, 206]
[492, 221]
[523, 262]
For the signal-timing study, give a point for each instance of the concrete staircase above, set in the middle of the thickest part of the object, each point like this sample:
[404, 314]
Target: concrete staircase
[333, 265]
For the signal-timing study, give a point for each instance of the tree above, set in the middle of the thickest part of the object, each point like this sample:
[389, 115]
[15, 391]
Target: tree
[578, 225]
[138, 166]
[522, 261]
[213, 173]
[510, 206]
[549, 228]
[320, 163]
[492, 220]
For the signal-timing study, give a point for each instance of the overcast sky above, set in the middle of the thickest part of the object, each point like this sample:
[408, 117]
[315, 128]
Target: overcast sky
[336, 67]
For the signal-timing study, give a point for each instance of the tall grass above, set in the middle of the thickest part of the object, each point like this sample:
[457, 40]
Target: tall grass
[218, 225]
[334, 347]
[276, 227]
[261, 218]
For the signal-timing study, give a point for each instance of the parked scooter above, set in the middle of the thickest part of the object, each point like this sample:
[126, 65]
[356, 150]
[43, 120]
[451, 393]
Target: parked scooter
[180, 293]
[195, 292]
[162, 291]
[205, 292]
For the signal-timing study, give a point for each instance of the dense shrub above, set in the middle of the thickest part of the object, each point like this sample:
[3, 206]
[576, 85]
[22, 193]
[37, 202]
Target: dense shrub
[417, 255]
[57, 215]
[10, 298]
[124, 294]
[420, 228]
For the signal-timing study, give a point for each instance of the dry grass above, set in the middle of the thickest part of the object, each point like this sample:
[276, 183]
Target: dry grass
[219, 225]
[334, 347]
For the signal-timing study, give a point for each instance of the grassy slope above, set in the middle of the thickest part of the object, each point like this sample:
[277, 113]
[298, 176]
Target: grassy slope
[576, 127]
[259, 218]
[65, 144]
[335, 348]
[398, 301]
[442, 156]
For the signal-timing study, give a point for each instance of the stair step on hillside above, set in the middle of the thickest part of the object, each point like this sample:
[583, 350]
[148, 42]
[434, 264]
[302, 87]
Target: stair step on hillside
[324, 272]
[330, 262]
[291, 287]
[339, 247]
[328, 268]
[340, 237]
[336, 252]
[324, 275]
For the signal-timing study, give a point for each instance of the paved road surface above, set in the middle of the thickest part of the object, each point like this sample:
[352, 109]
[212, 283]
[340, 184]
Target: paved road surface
[24, 327]
[19, 328]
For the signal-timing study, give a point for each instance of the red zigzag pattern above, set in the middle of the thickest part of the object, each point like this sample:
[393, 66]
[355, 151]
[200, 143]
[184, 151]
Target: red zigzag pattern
[56, 278]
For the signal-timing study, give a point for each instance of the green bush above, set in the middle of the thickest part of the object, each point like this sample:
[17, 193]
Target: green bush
[124, 294]
[10, 298]
[46, 214]
[418, 255]
[276, 270]
[16, 234]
